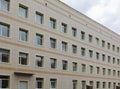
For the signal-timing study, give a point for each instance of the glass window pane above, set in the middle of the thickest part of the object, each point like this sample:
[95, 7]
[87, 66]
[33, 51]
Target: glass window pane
[4, 30]
[23, 35]
[23, 11]
[23, 85]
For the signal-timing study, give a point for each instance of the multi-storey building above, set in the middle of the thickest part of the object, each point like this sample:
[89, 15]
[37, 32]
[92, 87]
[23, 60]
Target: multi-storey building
[45, 44]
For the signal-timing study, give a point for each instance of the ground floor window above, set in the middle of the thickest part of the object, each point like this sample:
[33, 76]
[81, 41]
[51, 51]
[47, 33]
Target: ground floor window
[53, 83]
[4, 82]
[39, 83]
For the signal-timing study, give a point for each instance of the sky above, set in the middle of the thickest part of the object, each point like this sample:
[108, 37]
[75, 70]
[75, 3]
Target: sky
[105, 12]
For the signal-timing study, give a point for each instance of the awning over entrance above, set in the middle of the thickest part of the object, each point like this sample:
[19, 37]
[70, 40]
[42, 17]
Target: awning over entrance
[23, 74]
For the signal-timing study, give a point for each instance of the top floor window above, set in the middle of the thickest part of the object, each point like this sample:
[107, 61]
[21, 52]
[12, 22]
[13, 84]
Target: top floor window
[4, 5]
[23, 11]
[74, 32]
[4, 30]
[64, 28]
[52, 23]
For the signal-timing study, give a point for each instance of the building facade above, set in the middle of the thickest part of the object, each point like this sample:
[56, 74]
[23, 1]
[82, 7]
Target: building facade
[45, 44]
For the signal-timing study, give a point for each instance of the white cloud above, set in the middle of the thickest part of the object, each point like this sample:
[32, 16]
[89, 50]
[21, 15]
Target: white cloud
[105, 12]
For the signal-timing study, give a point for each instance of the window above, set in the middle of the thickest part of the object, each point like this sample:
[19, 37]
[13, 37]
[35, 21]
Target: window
[98, 70]
[23, 58]
[83, 84]
[118, 61]
[118, 84]
[64, 28]
[104, 83]
[52, 23]
[23, 35]
[109, 84]
[74, 32]
[97, 41]
[83, 51]
[113, 47]
[74, 49]
[118, 49]
[91, 83]
[103, 43]
[39, 39]
[90, 53]
[97, 55]
[4, 5]
[109, 59]
[109, 71]
[82, 35]
[39, 61]
[64, 65]
[118, 73]
[4, 82]
[83, 68]
[91, 69]
[23, 85]
[4, 55]
[53, 63]
[53, 83]
[108, 45]
[103, 57]
[39, 18]
[90, 38]
[64, 46]
[74, 84]
[97, 84]
[52, 43]
[4, 30]
[23, 11]
[74, 66]
[114, 85]
[114, 72]
[104, 71]
[39, 83]
[114, 60]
